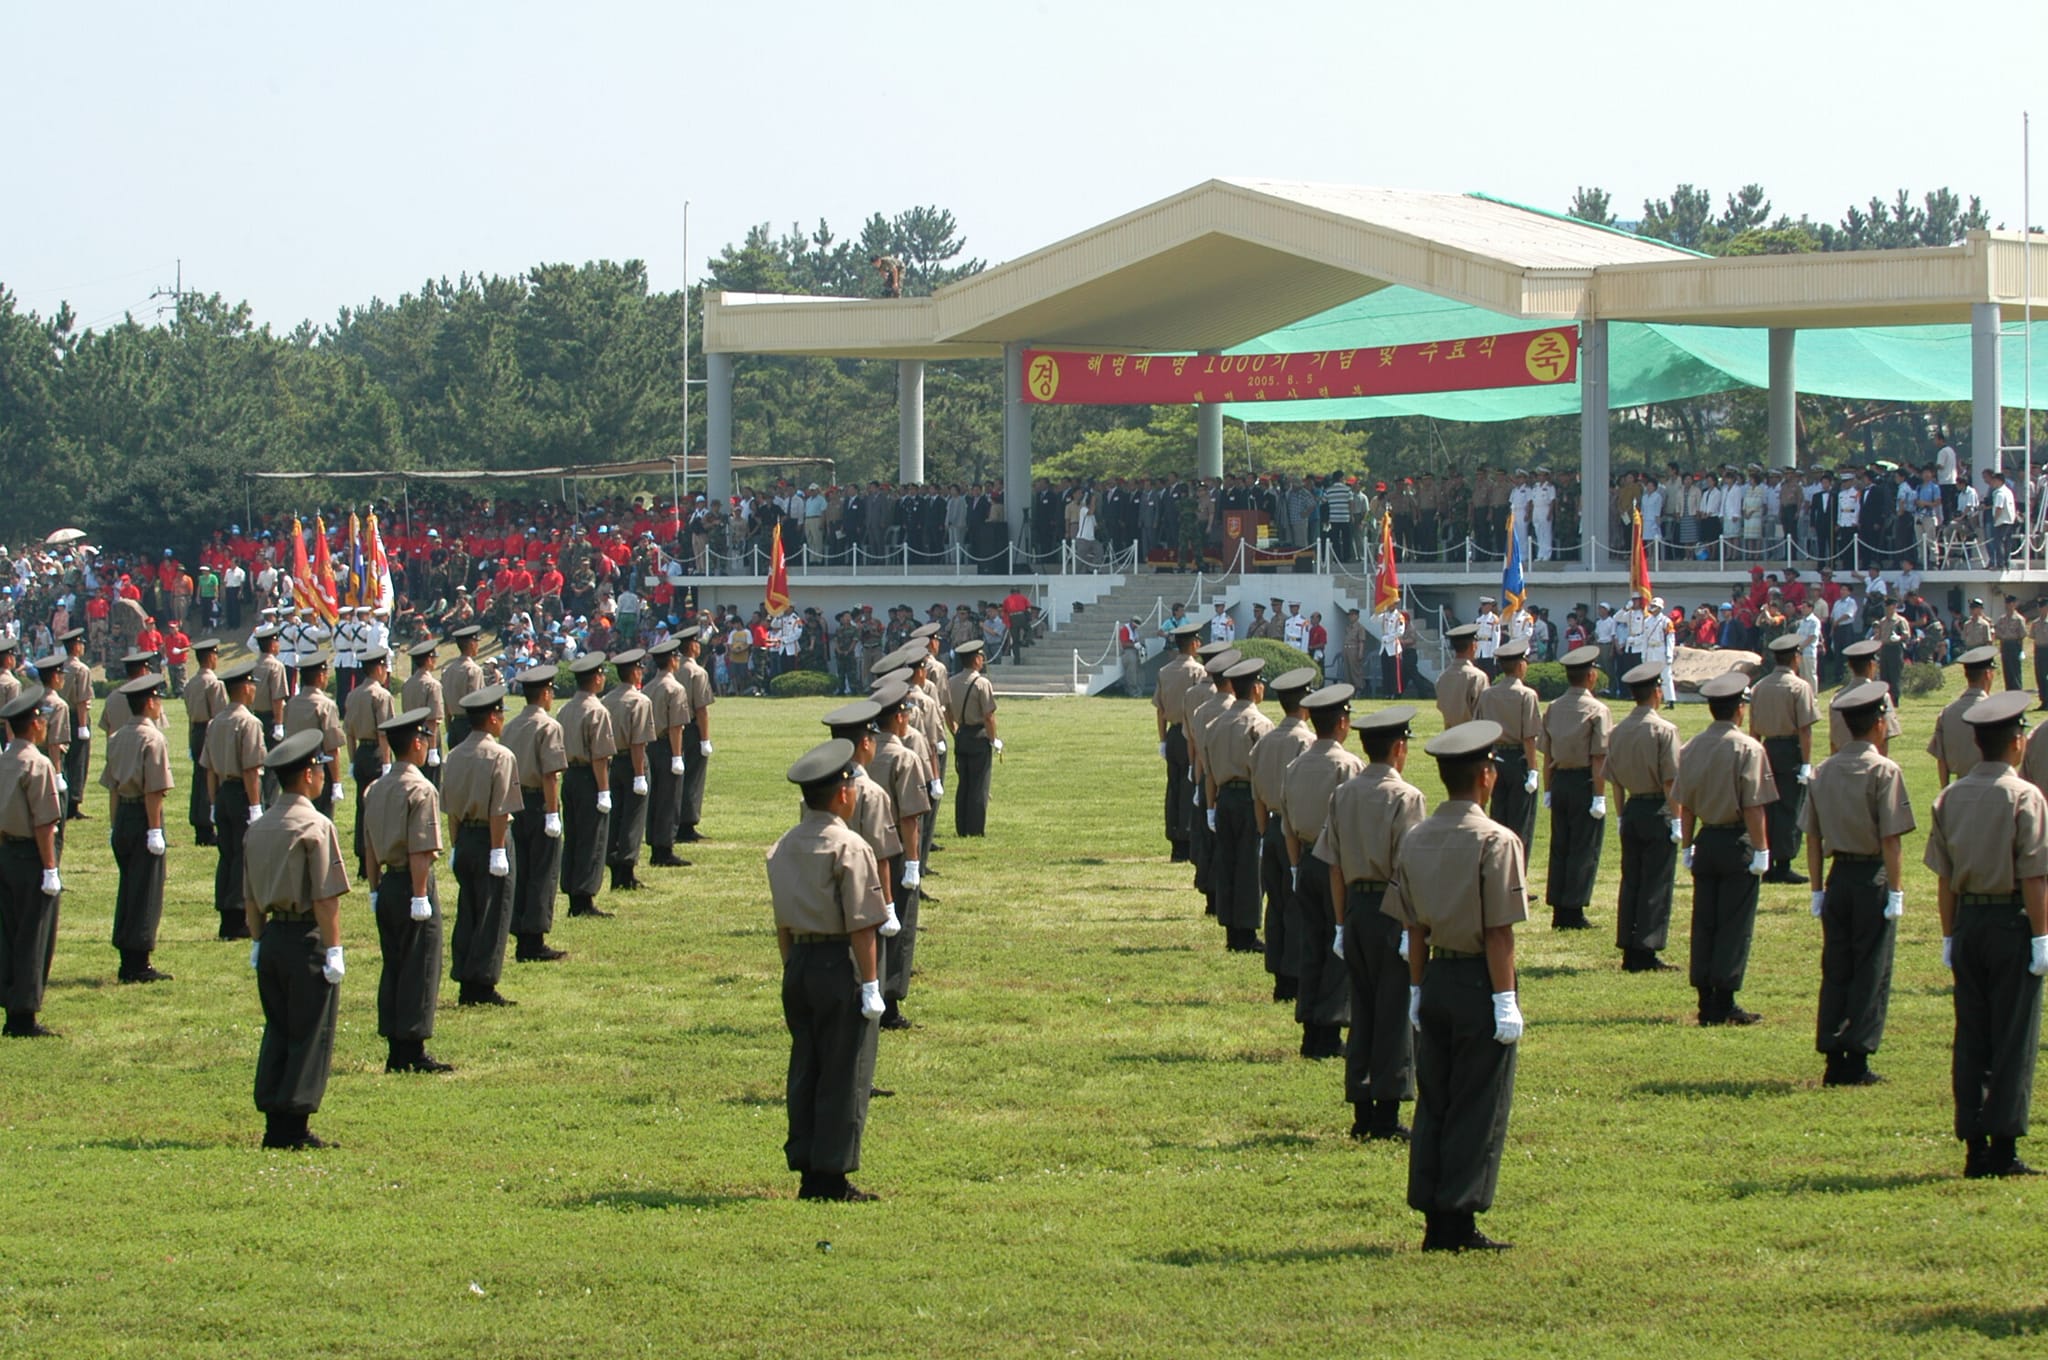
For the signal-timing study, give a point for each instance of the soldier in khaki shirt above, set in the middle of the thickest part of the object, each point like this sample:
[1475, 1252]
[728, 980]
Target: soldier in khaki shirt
[589, 743]
[480, 794]
[697, 739]
[311, 709]
[291, 897]
[1988, 847]
[2037, 634]
[971, 711]
[204, 699]
[874, 813]
[902, 776]
[1226, 772]
[1177, 679]
[1512, 706]
[1457, 890]
[2009, 630]
[79, 696]
[233, 757]
[369, 707]
[1976, 629]
[632, 715]
[1782, 713]
[31, 816]
[828, 905]
[273, 685]
[1856, 811]
[1462, 682]
[535, 740]
[1270, 759]
[56, 741]
[114, 712]
[1953, 746]
[460, 677]
[1574, 745]
[137, 777]
[10, 681]
[1323, 1006]
[1204, 710]
[1368, 815]
[667, 757]
[1642, 764]
[1861, 660]
[422, 689]
[401, 841]
[1724, 785]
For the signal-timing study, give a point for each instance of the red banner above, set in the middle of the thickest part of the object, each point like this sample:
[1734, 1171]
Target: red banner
[1524, 359]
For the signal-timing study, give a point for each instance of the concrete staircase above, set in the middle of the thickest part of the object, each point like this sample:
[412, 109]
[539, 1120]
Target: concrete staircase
[1048, 667]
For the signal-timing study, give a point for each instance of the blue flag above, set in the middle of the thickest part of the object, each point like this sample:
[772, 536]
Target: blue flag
[1512, 587]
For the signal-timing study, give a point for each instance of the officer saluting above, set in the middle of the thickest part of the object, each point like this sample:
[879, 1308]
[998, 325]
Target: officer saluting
[1369, 814]
[971, 709]
[137, 777]
[1988, 848]
[1642, 764]
[31, 815]
[535, 740]
[291, 897]
[589, 745]
[1574, 742]
[1856, 811]
[1510, 706]
[1724, 785]
[1457, 889]
[401, 841]
[828, 905]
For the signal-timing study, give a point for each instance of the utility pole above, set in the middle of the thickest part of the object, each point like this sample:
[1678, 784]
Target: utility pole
[176, 293]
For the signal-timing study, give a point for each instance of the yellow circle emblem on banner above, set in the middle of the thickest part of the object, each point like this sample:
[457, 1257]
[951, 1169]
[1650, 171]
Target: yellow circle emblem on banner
[1044, 378]
[1549, 357]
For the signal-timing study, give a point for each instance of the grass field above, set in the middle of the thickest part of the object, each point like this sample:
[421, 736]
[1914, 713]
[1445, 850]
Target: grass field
[1102, 1142]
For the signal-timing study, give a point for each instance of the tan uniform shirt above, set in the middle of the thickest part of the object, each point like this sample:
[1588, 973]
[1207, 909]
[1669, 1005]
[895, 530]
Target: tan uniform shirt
[138, 761]
[1952, 742]
[903, 775]
[535, 740]
[872, 820]
[1781, 705]
[936, 678]
[2009, 628]
[311, 710]
[1170, 691]
[823, 878]
[480, 779]
[206, 698]
[1642, 752]
[1274, 753]
[460, 677]
[1855, 799]
[2038, 630]
[10, 687]
[697, 684]
[1976, 633]
[271, 687]
[78, 691]
[1458, 873]
[369, 706]
[670, 704]
[1575, 729]
[1457, 692]
[422, 690]
[114, 714]
[1892, 629]
[632, 714]
[970, 699]
[234, 744]
[291, 858]
[1204, 715]
[1369, 814]
[1990, 831]
[28, 790]
[57, 729]
[1315, 774]
[928, 719]
[1228, 749]
[1722, 771]
[1838, 730]
[1513, 705]
[587, 733]
[401, 816]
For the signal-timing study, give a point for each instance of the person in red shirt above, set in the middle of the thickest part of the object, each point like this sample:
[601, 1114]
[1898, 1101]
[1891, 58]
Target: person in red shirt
[177, 651]
[514, 544]
[129, 590]
[1017, 613]
[549, 584]
[501, 582]
[149, 639]
[521, 582]
[1318, 636]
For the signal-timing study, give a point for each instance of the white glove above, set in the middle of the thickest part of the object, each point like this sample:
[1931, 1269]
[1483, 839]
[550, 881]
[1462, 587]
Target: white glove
[890, 928]
[1293, 874]
[63, 786]
[1507, 1018]
[277, 731]
[604, 800]
[1819, 896]
[871, 1007]
[942, 747]
[675, 765]
[85, 734]
[996, 745]
[333, 968]
[501, 862]
[1678, 837]
[640, 785]
[420, 909]
[255, 811]
[2039, 964]
[1337, 942]
[938, 788]
[1401, 947]
[153, 840]
[1760, 863]
[1599, 807]
[551, 825]
[1212, 821]
[1806, 774]
[1162, 749]
[703, 748]
[433, 756]
[1948, 952]
[913, 874]
[384, 769]
[1546, 800]
[52, 883]
[1414, 1006]
[1688, 857]
[1197, 799]
[1529, 782]
[1895, 904]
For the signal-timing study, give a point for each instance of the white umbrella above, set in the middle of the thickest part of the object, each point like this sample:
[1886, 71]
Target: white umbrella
[63, 536]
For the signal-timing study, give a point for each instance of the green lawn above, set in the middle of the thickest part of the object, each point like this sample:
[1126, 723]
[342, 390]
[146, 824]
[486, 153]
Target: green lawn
[1102, 1142]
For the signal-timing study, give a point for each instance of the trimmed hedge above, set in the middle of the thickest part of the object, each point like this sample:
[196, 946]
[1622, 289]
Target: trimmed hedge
[1920, 677]
[1546, 678]
[800, 685]
[1278, 656]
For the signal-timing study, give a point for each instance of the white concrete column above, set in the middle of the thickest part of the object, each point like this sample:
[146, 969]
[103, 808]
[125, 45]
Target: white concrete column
[1987, 413]
[1209, 440]
[909, 420]
[1784, 403]
[1594, 463]
[718, 425]
[1016, 442]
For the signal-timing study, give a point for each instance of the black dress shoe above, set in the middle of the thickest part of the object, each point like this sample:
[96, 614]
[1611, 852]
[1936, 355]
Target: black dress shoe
[424, 1061]
[2012, 1166]
[1285, 988]
[879, 1093]
[538, 953]
[34, 1029]
[313, 1140]
[1738, 1016]
[688, 837]
[592, 911]
[145, 974]
[924, 896]
[485, 997]
[1475, 1240]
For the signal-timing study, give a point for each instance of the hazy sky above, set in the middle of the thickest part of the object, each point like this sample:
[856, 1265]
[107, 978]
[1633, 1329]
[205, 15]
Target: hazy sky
[309, 157]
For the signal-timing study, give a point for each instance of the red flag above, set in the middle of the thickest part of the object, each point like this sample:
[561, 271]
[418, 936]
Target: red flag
[778, 576]
[326, 602]
[1386, 582]
[1639, 563]
[303, 594]
[377, 591]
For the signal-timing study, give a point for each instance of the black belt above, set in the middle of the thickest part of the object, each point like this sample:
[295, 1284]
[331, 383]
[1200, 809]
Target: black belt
[1436, 953]
[1228, 784]
[1634, 796]
[812, 937]
[1844, 857]
[1571, 769]
[274, 916]
[1721, 826]
[131, 802]
[1988, 899]
[579, 764]
[483, 825]
[6, 839]
[1507, 748]
[1378, 885]
[361, 742]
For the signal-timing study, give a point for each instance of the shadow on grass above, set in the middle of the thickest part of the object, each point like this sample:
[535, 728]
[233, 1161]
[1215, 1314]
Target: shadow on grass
[1178, 1056]
[1998, 1324]
[1715, 1090]
[654, 1199]
[1173, 1002]
[1130, 949]
[1192, 1258]
[1549, 970]
[1834, 1185]
[151, 1145]
[755, 1099]
[1251, 1144]
[723, 1031]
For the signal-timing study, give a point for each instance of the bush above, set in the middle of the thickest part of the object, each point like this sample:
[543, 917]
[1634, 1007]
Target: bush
[1546, 678]
[1278, 656]
[800, 685]
[1920, 677]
